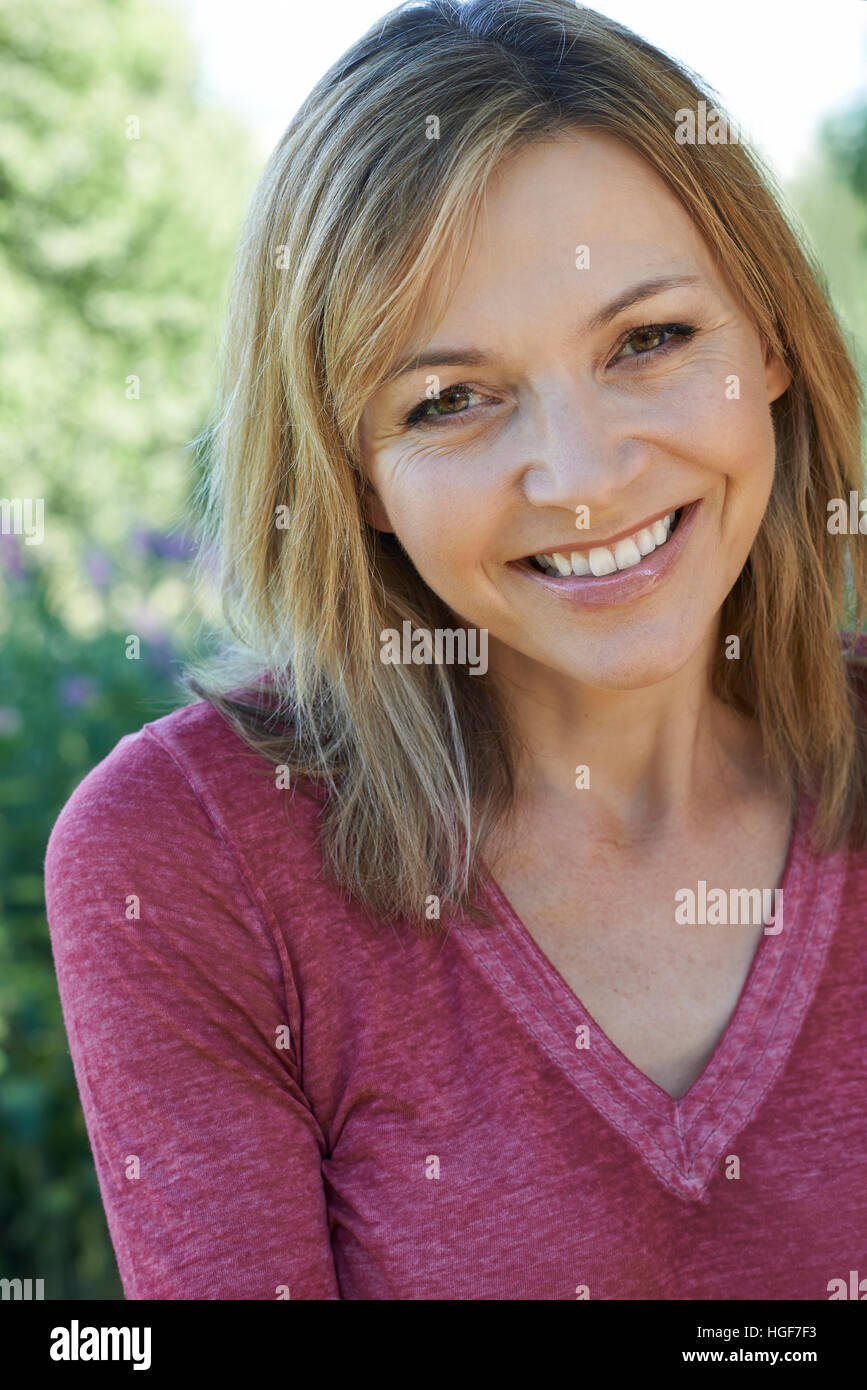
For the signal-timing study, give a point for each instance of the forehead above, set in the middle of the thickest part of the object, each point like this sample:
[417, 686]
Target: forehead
[579, 189]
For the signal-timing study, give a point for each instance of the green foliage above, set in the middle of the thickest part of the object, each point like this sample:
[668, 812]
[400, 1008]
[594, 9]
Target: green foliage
[835, 216]
[65, 701]
[114, 261]
[845, 138]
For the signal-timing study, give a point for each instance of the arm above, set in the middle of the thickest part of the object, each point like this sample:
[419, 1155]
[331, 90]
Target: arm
[207, 1152]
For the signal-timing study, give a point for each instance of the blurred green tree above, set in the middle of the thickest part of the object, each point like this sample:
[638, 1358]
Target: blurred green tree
[845, 138]
[830, 196]
[122, 192]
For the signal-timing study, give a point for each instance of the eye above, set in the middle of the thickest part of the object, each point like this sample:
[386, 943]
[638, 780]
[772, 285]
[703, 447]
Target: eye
[650, 338]
[450, 398]
[653, 337]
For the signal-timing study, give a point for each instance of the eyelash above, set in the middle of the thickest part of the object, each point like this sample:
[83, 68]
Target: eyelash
[681, 333]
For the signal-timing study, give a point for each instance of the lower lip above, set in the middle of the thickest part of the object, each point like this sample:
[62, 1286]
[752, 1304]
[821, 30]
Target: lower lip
[588, 591]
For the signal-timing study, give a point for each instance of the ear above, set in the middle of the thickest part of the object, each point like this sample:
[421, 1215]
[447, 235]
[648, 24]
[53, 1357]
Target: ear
[778, 377]
[374, 510]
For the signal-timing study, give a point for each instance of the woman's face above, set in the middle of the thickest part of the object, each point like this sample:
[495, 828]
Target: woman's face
[580, 401]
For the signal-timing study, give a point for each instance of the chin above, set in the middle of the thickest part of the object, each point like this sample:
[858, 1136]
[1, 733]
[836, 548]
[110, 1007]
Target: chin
[617, 665]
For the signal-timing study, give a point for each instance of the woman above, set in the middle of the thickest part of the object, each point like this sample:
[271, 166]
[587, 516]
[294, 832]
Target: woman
[495, 931]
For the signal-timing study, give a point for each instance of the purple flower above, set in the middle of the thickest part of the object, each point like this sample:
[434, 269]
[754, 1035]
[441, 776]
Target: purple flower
[163, 656]
[156, 643]
[76, 690]
[171, 545]
[10, 554]
[98, 568]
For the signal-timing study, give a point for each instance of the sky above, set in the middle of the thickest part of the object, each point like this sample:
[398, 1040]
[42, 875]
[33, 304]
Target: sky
[778, 65]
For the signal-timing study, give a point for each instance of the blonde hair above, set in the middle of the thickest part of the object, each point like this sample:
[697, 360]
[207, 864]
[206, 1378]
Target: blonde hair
[348, 234]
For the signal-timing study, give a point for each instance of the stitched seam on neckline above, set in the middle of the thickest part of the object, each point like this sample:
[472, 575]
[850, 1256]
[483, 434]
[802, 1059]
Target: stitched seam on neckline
[623, 1083]
[635, 1122]
[794, 859]
[818, 948]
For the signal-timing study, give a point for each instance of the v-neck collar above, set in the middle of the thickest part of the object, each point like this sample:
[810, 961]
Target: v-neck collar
[680, 1140]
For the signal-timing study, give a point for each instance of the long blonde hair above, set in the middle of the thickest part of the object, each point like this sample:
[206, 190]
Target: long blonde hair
[348, 233]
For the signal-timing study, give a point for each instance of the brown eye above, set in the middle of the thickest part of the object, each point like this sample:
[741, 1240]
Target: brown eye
[451, 399]
[646, 338]
[652, 337]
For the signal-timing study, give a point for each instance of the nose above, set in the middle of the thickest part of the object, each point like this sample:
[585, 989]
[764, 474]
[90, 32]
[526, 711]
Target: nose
[578, 448]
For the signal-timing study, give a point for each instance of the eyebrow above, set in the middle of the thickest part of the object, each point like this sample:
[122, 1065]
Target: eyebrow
[474, 357]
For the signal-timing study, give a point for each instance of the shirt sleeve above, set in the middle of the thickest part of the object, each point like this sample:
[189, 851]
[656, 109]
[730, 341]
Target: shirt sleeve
[177, 1008]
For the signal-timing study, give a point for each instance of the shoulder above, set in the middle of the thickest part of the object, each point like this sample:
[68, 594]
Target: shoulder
[147, 876]
[134, 823]
[179, 797]
[141, 784]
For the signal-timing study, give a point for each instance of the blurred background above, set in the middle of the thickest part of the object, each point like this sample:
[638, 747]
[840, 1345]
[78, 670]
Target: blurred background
[132, 133]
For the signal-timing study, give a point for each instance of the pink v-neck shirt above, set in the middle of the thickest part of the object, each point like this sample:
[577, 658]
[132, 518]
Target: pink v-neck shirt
[286, 1099]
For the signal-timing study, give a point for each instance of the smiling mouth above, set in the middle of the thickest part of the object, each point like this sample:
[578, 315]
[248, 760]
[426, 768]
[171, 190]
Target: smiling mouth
[597, 561]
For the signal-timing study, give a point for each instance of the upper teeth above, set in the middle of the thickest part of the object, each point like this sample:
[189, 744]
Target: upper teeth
[604, 559]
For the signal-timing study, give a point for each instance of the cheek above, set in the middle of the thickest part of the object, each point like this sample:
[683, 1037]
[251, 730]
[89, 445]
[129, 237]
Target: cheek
[730, 435]
[438, 508]
[721, 421]
[748, 452]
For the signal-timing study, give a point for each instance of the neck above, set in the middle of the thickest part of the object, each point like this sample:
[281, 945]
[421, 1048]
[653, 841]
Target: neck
[657, 757]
